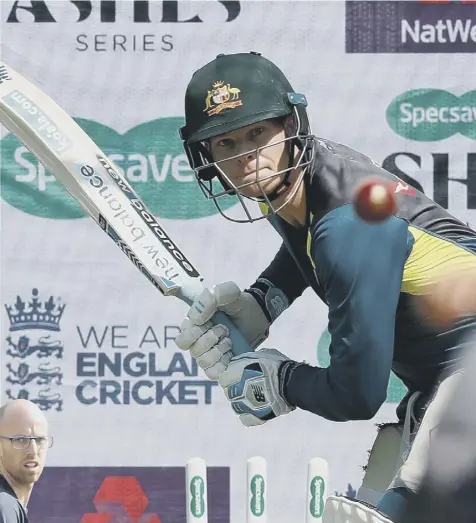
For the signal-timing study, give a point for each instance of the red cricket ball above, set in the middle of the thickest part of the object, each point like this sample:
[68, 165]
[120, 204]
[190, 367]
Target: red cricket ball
[374, 200]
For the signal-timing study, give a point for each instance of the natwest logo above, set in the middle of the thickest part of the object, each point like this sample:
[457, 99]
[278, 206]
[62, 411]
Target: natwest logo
[442, 32]
[410, 27]
[138, 12]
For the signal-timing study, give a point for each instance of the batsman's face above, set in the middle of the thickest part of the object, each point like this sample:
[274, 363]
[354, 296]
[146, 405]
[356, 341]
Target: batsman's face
[252, 156]
[23, 465]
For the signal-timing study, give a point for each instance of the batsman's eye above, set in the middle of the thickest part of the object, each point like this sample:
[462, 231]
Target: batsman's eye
[41, 441]
[226, 142]
[24, 442]
[257, 131]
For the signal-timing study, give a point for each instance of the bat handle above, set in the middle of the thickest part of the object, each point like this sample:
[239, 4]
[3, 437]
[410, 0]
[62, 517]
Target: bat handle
[240, 345]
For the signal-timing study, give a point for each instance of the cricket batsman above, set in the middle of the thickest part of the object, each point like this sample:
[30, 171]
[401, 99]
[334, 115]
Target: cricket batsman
[247, 135]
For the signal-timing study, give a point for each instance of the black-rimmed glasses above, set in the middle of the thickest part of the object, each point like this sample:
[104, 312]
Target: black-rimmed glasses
[23, 442]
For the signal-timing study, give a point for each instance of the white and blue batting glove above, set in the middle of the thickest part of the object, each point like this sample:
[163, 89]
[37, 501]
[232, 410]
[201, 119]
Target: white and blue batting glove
[253, 383]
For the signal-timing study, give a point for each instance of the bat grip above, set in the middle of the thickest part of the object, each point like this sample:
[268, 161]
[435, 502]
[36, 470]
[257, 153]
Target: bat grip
[239, 344]
[189, 293]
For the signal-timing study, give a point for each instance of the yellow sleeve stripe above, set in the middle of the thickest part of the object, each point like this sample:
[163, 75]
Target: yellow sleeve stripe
[309, 242]
[309, 247]
[264, 208]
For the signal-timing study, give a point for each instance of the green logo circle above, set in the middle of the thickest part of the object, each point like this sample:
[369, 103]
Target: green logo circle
[429, 115]
[396, 390]
[150, 155]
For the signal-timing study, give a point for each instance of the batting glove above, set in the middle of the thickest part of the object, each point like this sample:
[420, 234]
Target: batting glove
[254, 383]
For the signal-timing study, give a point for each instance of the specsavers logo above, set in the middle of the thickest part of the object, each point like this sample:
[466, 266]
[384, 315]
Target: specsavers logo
[396, 389]
[429, 115]
[150, 155]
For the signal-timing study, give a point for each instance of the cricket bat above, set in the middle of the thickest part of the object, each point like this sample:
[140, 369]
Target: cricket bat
[98, 186]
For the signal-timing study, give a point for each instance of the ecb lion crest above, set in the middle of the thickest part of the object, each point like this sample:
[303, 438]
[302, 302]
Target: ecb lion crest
[222, 96]
[33, 352]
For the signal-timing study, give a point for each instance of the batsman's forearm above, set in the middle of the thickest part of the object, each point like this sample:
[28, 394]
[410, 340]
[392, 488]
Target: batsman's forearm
[314, 389]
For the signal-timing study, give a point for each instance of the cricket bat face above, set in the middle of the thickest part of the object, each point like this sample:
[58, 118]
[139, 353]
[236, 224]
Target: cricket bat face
[95, 183]
[98, 186]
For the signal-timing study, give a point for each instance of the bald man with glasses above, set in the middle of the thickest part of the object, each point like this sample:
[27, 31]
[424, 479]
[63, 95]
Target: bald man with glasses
[24, 442]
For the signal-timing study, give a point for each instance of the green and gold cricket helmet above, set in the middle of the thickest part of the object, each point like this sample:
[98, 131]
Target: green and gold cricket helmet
[234, 91]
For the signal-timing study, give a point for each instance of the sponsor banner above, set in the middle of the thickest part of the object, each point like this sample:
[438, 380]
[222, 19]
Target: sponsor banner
[150, 155]
[410, 27]
[123, 495]
[438, 127]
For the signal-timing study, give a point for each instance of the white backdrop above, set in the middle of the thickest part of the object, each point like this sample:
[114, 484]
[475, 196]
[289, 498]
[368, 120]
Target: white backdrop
[131, 102]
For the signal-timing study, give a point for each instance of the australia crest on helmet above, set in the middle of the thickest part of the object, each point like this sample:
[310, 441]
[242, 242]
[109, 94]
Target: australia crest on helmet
[222, 96]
